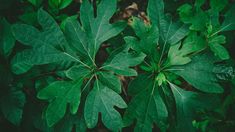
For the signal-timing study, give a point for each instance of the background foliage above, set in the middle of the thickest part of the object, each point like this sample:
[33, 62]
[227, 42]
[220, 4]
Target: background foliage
[115, 65]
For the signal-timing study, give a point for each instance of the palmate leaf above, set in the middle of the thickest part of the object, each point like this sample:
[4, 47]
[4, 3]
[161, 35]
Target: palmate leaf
[79, 43]
[215, 44]
[44, 44]
[98, 28]
[102, 100]
[147, 106]
[170, 32]
[187, 104]
[148, 36]
[121, 60]
[178, 54]
[199, 73]
[61, 93]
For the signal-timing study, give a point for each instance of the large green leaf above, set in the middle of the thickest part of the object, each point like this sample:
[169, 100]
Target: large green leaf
[102, 100]
[11, 105]
[170, 32]
[199, 73]
[98, 29]
[147, 106]
[187, 104]
[44, 44]
[59, 94]
[121, 60]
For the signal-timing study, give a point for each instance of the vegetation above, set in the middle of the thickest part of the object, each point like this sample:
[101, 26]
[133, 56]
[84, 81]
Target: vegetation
[108, 65]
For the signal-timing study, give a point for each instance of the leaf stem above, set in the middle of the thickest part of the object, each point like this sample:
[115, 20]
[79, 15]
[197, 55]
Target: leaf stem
[88, 82]
[77, 60]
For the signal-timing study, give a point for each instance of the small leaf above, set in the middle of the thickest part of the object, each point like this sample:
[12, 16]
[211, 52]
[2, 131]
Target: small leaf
[102, 100]
[60, 4]
[148, 35]
[220, 51]
[185, 13]
[217, 48]
[176, 56]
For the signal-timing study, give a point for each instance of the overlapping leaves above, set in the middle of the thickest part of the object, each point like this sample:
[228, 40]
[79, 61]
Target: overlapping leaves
[168, 52]
[79, 43]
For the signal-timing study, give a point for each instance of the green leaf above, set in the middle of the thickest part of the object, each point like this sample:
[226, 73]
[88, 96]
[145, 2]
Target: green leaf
[120, 61]
[185, 13]
[199, 73]
[48, 46]
[60, 4]
[70, 123]
[147, 106]
[187, 104]
[36, 3]
[177, 56]
[148, 36]
[77, 72]
[170, 32]
[111, 81]
[218, 5]
[59, 94]
[217, 48]
[7, 41]
[199, 21]
[220, 51]
[199, 3]
[155, 12]
[98, 29]
[229, 20]
[11, 105]
[102, 100]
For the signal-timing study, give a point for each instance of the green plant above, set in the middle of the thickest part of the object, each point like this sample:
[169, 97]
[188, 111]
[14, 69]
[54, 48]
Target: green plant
[164, 73]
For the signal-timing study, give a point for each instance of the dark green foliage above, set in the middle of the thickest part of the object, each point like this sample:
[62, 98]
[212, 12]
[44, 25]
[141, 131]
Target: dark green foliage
[74, 66]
